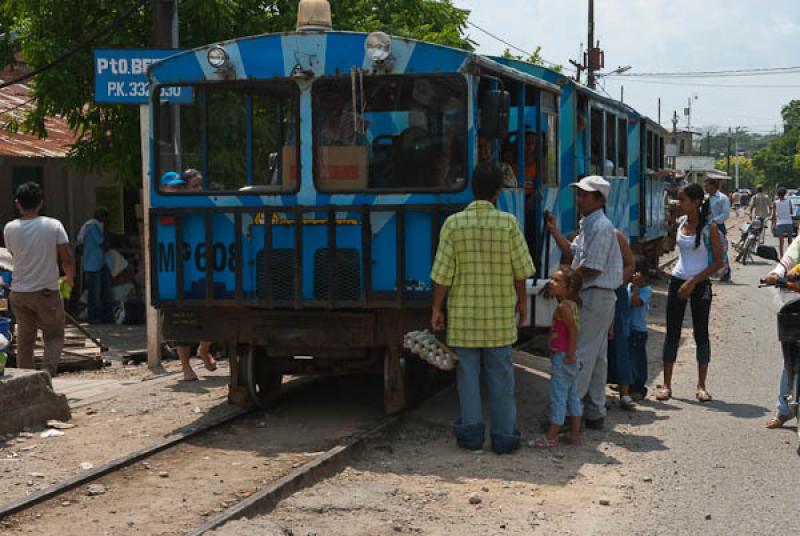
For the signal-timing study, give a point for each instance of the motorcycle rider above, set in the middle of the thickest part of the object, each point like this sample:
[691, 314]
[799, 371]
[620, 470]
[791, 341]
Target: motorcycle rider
[760, 207]
[789, 263]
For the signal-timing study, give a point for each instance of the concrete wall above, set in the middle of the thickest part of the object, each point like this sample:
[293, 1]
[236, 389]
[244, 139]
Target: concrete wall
[69, 196]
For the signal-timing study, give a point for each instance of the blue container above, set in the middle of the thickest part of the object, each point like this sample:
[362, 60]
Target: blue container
[5, 327]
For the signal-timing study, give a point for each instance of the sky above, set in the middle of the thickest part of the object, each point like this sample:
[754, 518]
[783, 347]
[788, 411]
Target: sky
[656, 36]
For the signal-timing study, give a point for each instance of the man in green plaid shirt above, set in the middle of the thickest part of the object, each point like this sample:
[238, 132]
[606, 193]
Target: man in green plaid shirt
[481, 266]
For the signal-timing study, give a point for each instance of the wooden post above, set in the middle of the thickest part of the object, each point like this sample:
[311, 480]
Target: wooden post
[152, 319]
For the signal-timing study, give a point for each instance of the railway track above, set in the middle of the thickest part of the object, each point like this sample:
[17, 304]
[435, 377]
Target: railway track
[186, 484]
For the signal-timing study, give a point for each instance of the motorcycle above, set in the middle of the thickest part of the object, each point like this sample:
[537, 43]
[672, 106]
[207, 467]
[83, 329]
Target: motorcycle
[749, 242]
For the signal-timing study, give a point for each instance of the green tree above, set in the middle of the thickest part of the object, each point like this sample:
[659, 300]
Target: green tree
[749, 176]
[779, 161]
[108, 135]
[536, 58]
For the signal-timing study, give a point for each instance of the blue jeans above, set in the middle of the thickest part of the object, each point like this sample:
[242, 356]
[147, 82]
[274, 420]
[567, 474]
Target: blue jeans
[619, 359]
[469, 429]
[637, 349]
[783, 406]
[99, 286]
[564, 399]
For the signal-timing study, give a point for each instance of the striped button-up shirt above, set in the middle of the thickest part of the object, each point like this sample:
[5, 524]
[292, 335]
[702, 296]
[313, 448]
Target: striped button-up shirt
[596, 248]
[481, 253]
[720, 208]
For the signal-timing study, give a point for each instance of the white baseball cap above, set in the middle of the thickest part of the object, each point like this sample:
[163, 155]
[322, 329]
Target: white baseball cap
[593, 183]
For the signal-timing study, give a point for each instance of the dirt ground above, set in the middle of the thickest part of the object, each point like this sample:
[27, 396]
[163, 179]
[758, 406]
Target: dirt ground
[667, 468]
[173, 492]
[414, 480]
[144, 414]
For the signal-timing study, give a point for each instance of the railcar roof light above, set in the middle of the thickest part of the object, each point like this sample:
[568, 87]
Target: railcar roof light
[217, 57]
[378, 46]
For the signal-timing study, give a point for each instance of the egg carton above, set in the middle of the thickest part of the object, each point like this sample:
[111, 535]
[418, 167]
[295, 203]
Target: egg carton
[430, 349]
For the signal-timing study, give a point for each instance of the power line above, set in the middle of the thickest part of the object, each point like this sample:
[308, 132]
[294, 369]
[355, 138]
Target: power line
[515, 47]
[703, 84]
[759, 71]
[77, 48]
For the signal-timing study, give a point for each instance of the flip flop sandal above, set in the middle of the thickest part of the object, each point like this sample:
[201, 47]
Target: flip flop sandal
[194, 379]
[663, 393]
[211, 367]
[777, 421]
[544, 443]
[703, 396]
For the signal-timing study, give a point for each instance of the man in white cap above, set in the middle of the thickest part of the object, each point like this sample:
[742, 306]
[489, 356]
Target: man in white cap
[595, 254]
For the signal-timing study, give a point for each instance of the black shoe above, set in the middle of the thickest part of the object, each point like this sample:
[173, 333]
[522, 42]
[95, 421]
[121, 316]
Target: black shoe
[594, 424]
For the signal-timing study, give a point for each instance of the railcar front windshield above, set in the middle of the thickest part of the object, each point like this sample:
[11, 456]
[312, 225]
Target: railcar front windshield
[241, 137]
[390, 133]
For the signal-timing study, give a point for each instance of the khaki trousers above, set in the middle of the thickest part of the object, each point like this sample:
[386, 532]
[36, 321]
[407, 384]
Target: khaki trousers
[42, 310]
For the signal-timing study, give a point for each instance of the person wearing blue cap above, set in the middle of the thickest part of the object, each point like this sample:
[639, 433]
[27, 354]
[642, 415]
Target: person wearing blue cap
[190, 180]
[172, 181]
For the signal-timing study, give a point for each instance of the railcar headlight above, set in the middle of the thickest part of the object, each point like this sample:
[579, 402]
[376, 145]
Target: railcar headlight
[378, 46]
[217, 57]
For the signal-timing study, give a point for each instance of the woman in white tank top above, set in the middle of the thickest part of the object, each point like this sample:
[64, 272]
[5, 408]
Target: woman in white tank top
[699, 256]
[782, 223]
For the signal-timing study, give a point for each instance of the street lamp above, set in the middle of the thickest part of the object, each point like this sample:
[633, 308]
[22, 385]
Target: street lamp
[619, 70]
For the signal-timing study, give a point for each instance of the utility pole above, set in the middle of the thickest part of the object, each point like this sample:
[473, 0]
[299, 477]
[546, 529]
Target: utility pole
[162, 23]
[164, 32]
[622, 93]
[728, 160]
[590, 63]
[736, 161]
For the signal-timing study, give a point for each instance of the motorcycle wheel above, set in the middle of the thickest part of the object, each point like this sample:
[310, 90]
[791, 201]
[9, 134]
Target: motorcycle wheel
[747, 250]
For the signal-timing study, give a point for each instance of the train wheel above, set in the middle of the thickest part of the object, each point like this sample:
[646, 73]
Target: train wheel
[395, 396]
[262, 381]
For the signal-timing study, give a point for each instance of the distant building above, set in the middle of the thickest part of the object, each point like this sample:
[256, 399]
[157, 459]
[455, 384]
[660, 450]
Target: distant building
[681, 156]
[69, 196]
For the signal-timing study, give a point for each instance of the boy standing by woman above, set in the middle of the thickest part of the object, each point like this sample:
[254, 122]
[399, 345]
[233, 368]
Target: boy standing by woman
[639, 292]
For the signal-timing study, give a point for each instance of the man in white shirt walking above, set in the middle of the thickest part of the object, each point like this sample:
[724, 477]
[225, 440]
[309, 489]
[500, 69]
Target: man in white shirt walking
[37, 244]
[720, 211]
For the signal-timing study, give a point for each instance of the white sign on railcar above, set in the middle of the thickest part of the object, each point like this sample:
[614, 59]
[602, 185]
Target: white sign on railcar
[120, 76]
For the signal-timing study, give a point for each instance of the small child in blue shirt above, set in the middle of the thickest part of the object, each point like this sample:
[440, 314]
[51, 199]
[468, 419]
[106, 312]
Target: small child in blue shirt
[639, 293]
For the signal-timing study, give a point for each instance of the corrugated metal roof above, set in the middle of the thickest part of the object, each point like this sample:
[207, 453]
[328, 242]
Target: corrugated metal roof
[15, 101]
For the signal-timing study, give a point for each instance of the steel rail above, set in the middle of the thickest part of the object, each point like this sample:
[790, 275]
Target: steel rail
[308, 474]
[39, 497]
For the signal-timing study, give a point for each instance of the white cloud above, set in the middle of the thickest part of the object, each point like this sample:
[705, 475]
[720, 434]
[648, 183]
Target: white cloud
[665, 35]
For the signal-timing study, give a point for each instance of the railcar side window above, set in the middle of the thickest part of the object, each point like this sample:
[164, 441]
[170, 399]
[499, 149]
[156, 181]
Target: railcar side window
[596, 141]
[550, 150]
[390, 133]
[241, 137]
[622, 130]
[610, 163]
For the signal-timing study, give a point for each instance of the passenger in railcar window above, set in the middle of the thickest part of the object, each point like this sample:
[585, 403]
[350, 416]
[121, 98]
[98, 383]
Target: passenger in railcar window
[485, 156]
[531, 169]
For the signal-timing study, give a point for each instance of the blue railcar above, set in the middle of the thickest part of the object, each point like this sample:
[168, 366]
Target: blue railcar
[327, 172]
[601, 136]
[329, 161]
